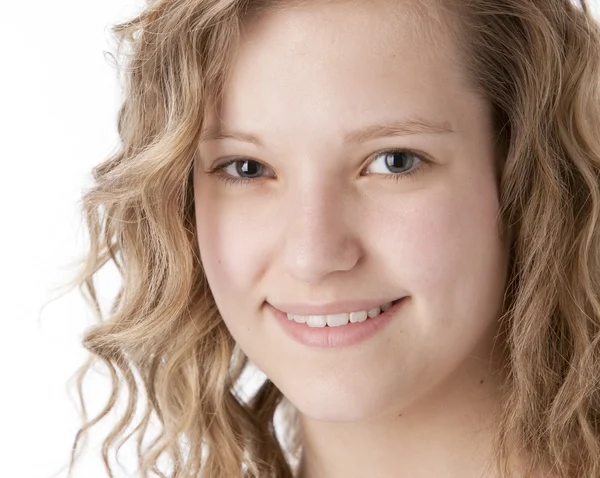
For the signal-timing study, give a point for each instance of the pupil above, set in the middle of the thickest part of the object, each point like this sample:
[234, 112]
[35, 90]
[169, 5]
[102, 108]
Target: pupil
[394, 159]
[243, 168]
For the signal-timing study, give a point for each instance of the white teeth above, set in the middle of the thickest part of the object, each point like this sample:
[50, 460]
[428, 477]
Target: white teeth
[359, 316]
[316, 320]
[336, 320]
[373, 312]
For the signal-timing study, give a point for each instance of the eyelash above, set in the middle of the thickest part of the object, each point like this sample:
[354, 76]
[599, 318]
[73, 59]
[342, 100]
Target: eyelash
[411, 173]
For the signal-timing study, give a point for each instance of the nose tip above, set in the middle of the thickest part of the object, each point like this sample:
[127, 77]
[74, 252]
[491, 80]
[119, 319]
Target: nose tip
[321, 249]
[310, 263]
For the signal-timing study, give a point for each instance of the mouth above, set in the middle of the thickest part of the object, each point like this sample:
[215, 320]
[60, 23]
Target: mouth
[338, 330]
[345, 318]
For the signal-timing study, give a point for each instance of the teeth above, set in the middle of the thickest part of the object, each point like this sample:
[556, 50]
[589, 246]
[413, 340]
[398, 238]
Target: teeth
[373, 312]
[359, 316]
[336, 320]
[316, 320]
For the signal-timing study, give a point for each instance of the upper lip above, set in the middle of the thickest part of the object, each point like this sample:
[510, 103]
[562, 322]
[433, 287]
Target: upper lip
[338, 307]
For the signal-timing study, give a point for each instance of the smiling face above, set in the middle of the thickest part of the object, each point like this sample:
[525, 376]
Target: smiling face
[327, 214]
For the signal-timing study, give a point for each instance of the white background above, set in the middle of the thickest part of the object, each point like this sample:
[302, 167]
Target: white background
[59, 98]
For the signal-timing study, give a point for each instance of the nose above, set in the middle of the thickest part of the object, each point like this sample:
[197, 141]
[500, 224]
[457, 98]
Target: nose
[322, 233]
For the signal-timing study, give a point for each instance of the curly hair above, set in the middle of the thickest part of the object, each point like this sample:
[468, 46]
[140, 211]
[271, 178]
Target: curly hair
[537, 63]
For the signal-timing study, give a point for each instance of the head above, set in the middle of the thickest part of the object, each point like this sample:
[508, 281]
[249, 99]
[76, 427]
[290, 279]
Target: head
[484, 218]
[321, 217]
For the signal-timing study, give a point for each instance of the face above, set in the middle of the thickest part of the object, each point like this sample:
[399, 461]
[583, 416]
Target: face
[310, 214]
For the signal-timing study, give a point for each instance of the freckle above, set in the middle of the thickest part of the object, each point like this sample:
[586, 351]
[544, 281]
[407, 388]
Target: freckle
[399, 415]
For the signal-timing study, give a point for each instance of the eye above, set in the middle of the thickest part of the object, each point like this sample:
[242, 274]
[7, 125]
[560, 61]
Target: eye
[239, 171]
[244, 168]
[393, 164]
[398, 162]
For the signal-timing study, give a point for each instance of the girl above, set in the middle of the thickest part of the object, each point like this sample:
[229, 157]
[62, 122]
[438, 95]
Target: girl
[391, 208]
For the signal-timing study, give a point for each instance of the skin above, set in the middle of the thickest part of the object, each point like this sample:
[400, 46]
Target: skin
[326, 221]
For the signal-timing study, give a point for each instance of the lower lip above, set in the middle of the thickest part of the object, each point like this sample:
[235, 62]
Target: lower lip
[342, 336]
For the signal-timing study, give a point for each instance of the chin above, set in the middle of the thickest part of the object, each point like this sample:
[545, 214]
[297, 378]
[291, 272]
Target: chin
[338, 410]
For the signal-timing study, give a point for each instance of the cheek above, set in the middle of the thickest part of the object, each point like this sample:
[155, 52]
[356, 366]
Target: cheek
[434, 240]
[231, 245]
[452, 259]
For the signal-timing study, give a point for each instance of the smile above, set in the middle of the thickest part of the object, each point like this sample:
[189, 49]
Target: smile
[336, 320]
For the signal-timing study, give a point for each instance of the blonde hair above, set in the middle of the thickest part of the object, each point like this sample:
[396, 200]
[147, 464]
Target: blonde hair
[537, 62]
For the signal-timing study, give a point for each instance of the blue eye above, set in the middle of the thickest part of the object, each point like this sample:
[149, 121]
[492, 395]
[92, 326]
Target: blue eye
[398, 164]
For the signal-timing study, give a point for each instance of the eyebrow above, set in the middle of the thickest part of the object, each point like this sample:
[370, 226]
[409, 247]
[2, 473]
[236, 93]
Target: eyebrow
[403, 127]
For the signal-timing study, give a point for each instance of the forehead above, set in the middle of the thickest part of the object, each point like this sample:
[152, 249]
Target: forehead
[353, 61]
[420, 16]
